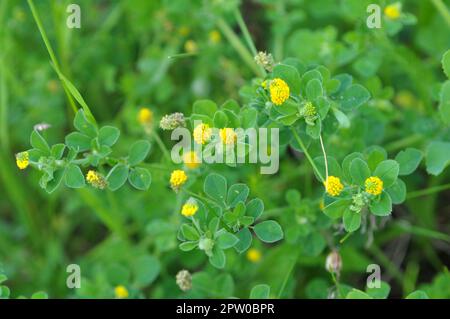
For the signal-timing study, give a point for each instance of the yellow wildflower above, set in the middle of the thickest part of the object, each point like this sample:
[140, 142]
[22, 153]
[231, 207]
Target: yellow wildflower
[96, 179]
[393, 11]
[202, 133]
[191, 160]
[121, 292]
[190, 46]
[333, 186]
[374, 185]
[253, 255]
[177, 179]
[214, 36]
[145, 116]
[228, 136]
[279, 91]
[184, 31]
[190, 208]
[22, 160]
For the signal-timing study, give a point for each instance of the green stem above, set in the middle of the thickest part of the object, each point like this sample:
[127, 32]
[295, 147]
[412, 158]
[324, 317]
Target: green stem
[238, 46]
[50, 52]
[404, 142]
[300, 142]
[4, 133]
[421, 231]
[383, 259]
[162, 146]
[443, 10]
[428, 191]
[288, 274]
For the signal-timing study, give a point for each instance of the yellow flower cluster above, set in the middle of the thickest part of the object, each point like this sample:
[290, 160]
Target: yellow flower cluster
[96, 179]
[333, 186]
[190, 46]
[253, 255]
[393, 11]
[121, 292]
[22, 160]
[374, 185]
[214, 36]
[191, 160]
[279, 91]
[177, 179]
[202, 133]
[189, 209]
[228, 136]
[145, 116]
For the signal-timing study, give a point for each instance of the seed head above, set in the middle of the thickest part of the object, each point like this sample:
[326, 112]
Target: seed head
[184, 280]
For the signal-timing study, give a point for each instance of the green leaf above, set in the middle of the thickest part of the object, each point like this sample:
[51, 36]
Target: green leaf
[342, 118]
[353, 97]
[215, 186]
[53, 184]
[437, 157]
[249, 117]
[357, 294]
[231, 105]
[418, 294]
[189, 232]
[352, 220]
[359, 171]
[38, 142]
[446, 63]
[346, 165]
[140, 178]
[313, 244]
[314, 89]
[260, 292]
[387, 171]
[217, 259]
[204, 107]
[188, 245]
[255, 208]
[381, 206]
[117, 176]
[39, 295]
[314, 130]
[334, 169]
[245, 240]
[84, 126]
[379, 293]
[375, 155]
[145, 269]
[408, 160]
[397, 192]
[268, 231]
[337, 208]
[227, 240]
[74, 176]
[444, 102]
[78, 141]
[220, 119]
[237, 193]
[290, 75]
[58, 150]
[108, 135]
[138, 152]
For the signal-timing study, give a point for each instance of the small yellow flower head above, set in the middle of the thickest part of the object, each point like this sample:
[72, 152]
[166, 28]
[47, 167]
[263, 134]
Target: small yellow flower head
[309, 110]
[374, 185]
[279, 91]
[202, 133]
[189, 208]
[393, 11]
[264, 84]
[96, 179]
[177, 179]
[333, 186]
[190, 46]
[22, 160]
[145, 116]
[214, 36]
[121, 292]
[228, 136]
[253, 255]
[184, 31]
[191, 160]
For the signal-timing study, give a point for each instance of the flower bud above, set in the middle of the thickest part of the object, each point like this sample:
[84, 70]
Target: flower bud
[172, 121]
[184, 280]
[265, 60]
[334, 262]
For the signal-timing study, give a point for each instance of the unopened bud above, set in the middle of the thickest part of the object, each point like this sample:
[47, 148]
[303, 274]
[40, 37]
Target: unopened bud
[184, 280]
[334, 262]
[265, 60]
[172, 121]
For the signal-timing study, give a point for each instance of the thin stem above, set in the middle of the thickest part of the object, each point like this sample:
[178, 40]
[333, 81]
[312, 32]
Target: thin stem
[162, 146]
[404, 142]
[428, 191]
[288, 274]
[300, 142]
[421, 231]
[50, 51]
[383, 259]
[324, 156]
[238, 46]
[443, 10]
